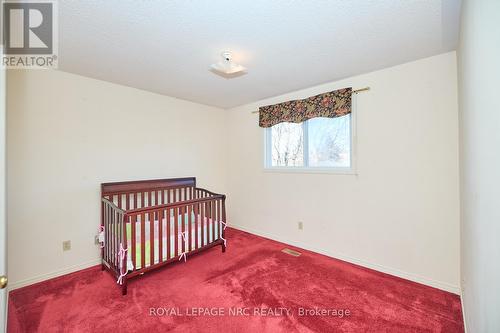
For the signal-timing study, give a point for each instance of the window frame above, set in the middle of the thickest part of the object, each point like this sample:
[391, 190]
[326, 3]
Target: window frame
[352, 170]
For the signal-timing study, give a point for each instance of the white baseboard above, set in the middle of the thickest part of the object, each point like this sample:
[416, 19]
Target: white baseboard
[47, 276]
[388, 270]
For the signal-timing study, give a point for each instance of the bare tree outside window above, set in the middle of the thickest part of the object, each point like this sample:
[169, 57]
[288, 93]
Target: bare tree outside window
[318, 142]
[329, 142]
[287, 145]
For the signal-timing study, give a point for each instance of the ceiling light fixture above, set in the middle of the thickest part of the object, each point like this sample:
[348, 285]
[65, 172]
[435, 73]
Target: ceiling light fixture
[226, 65]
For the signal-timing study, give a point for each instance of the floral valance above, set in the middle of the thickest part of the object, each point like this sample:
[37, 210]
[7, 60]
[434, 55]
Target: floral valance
[331, 105]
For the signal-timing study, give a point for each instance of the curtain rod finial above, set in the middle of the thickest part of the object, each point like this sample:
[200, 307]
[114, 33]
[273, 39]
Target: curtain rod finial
[360, 90]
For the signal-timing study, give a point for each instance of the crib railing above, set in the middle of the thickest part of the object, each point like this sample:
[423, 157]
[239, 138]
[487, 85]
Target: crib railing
[173, 229]
[114, 232]
[157, 227]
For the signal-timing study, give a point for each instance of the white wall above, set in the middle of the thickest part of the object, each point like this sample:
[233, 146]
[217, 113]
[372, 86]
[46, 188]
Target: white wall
[479, 79]
[66, 135]
[400, 214]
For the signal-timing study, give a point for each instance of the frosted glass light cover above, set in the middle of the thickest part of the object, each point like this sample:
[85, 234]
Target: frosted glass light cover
[228, 67]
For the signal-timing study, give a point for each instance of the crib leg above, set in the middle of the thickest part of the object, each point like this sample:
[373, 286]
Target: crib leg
[124, 286]
[223, 248]
[103, 267]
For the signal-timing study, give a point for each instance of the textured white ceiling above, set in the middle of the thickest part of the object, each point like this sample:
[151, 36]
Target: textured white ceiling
[167, 46]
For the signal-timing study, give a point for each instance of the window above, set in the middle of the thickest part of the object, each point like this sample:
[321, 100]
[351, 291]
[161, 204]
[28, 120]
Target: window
[322, 144]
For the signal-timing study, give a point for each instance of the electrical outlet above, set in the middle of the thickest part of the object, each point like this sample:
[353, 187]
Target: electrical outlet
[66, 245]
[301, 225]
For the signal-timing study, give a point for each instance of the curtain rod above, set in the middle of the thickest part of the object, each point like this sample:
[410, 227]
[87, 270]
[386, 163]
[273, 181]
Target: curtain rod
[354, 92]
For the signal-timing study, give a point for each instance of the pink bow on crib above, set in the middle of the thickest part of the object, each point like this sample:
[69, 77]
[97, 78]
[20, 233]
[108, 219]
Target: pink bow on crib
[183, 254]
[121, 257]
[225, 225]
[100, 237]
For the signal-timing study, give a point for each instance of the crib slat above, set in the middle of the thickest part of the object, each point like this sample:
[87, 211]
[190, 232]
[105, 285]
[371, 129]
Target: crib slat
[106, 232]
[154, 202]
[105, 220]
[143, 240]
[110, 236]
[207, 214]
[113, 235]
[208, 222]
[176, 232]
[219, 226]
[196, 225]
[183, 229]
[151, 238]
[127, 201]
[190, 226]
[117, 236]
[160, 236]
[143, 199]
[212, 219]
[110, 217]
[217, 203]
[133, 239]
[203, 219]
[110, 226]
[168, 212]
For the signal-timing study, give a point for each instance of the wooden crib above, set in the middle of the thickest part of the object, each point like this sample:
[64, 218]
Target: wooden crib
[169, 219]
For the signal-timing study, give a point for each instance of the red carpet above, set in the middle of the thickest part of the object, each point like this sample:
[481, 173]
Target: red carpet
[267, 286]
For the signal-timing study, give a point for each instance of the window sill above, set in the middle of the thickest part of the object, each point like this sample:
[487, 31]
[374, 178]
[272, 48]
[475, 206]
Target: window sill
[332, 171]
